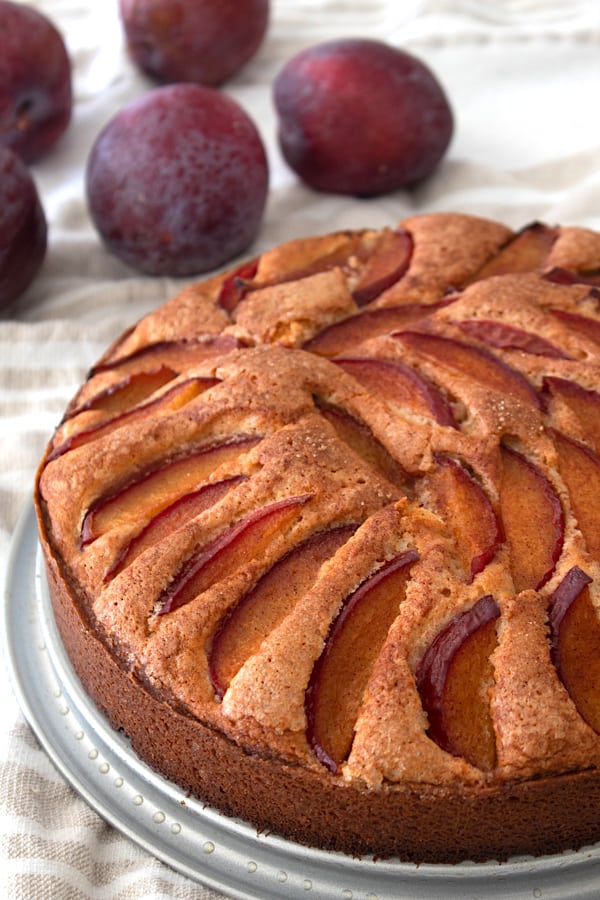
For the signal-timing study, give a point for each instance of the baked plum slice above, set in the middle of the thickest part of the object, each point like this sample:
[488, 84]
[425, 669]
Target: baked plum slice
[509, 337]
[131, 391]
[232, 548]
[582, 402]
[526, 251]
[475, 363]
[453, 679]
[172, 400]
[360, 438]
[235, 285]
[349, 333]
[579, 467]
[341, 673]
[266, 604]
[151, 491]
[178, 355]
[169, 520]
[559, 275]
[398, 383]
[575, 643]
[533, 520]
[586, 326]
[455, 494]
[386, 265]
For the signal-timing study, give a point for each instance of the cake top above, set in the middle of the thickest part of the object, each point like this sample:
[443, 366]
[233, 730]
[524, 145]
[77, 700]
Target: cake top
[340, 502]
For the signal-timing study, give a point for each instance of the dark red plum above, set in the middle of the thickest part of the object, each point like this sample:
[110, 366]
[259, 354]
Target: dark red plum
[360, 117]
[177, 181]
[23, 230]
[203, 41]
[35, 81]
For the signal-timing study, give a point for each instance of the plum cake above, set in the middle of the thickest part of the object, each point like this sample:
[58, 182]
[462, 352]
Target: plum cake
[322, 538]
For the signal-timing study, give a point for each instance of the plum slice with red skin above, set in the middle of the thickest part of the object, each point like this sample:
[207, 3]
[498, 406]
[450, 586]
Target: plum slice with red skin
[178, 355]
[341, 673]
[458, 496]
[584, 403]
[575, 643]
[400, 384]
[153, 489]
[475, 363]
[229, 550]
[386, 265]
[357, 435]
[453, 678]
[526, 251]
[169, 520]
[235, 286]
[586, 326]
[559, 275]
[579, 467]
[533, 520]
[173, 399]
[266, 604]
[129, 392]
[509, 337]
[352, 331]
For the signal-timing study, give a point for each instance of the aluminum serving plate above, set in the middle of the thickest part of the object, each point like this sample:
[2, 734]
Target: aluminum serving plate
[220, 852]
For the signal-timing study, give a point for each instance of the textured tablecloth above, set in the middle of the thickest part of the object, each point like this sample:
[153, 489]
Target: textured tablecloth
[523, 77]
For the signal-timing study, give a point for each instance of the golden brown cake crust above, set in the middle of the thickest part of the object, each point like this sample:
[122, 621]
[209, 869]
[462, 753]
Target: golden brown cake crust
[407, 416]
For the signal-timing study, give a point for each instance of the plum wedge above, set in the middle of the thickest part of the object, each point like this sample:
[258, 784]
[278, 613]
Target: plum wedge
[153, 490]
[453, 679]
[579, 467]
[387, 264]
[575, 643]
[586, 326]
[348, 333]
[559, 275]
[475, 363]
[525, 252]
[232, 548]
[265, 605]
[173, 399]
[170, 519]
[583, 403]
[131, 391]
[361, 439]
[341, 673]
[456, 494]
[509, 337]
[398, 383]
[178, 355]
[533, 520]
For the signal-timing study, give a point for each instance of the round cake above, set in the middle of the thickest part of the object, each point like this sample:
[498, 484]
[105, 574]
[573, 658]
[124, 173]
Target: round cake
[322, 538]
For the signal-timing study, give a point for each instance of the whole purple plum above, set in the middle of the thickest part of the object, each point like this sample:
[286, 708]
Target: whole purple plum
[177, 181]
[23, 229]
[360, 117]
[35, 81]
[203, 41]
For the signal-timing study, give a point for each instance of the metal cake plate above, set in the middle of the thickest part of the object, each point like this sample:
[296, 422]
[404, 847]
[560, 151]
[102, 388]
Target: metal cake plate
[217, 851]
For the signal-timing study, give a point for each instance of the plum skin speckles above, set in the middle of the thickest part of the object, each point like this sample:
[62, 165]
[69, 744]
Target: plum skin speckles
[177, 181]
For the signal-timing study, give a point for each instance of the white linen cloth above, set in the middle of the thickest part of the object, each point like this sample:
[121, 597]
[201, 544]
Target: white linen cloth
[523, 77]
